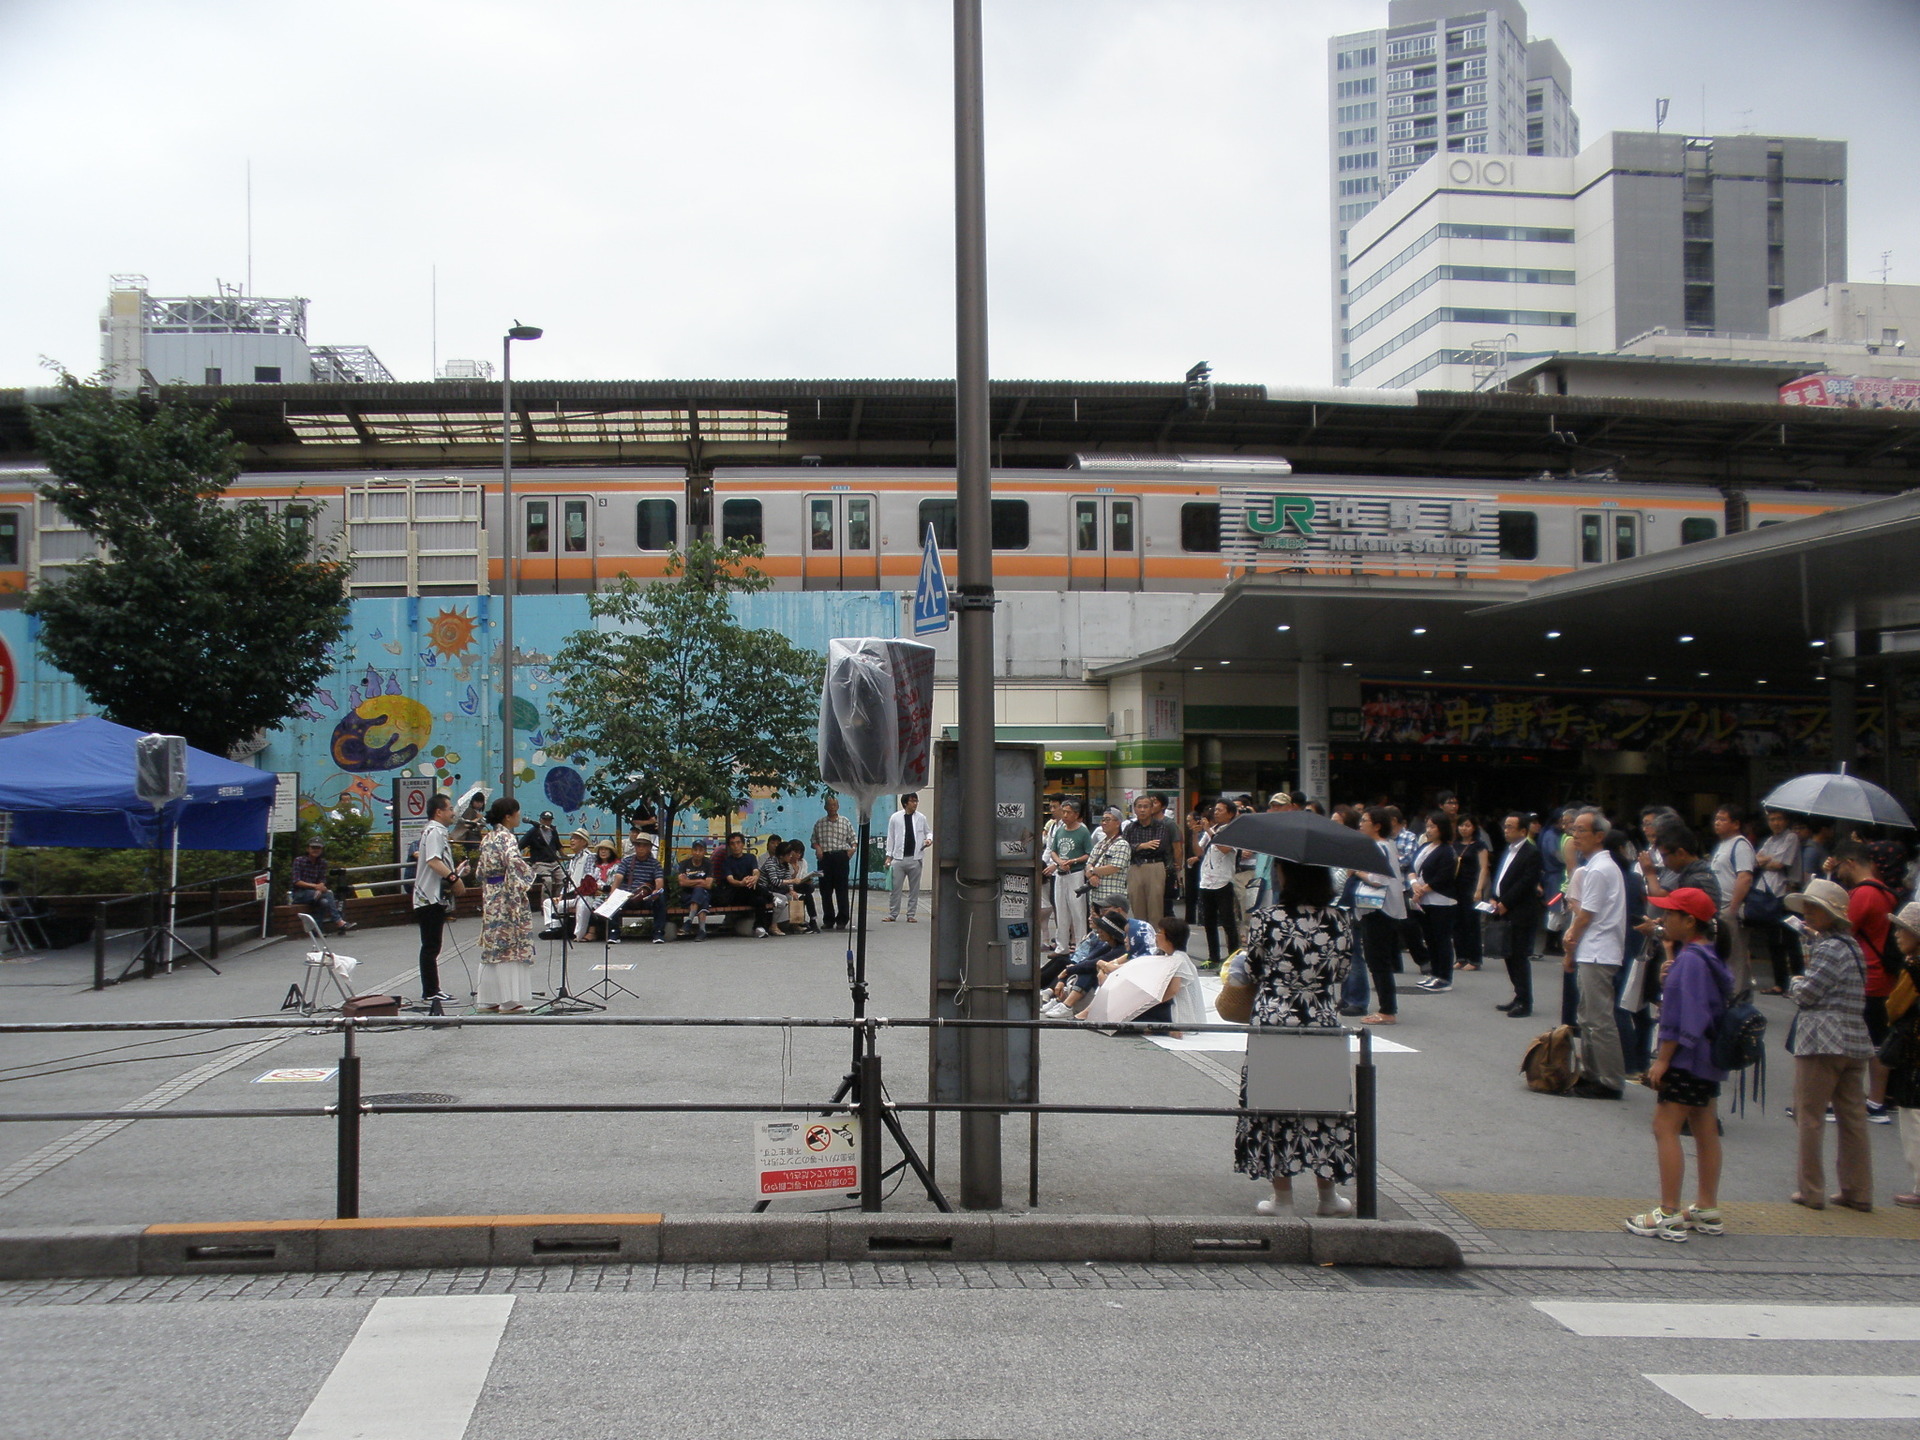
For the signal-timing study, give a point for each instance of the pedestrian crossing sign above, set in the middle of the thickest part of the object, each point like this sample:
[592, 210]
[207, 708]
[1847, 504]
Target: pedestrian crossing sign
[931, 611]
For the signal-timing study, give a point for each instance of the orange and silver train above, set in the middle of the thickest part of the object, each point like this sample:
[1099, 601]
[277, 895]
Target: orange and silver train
[1108, 523]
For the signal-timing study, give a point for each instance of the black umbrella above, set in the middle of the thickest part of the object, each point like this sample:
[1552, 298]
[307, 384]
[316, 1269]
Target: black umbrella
[1302, 837]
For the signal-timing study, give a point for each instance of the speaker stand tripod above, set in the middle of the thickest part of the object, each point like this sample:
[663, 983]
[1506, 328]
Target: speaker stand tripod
[864, 1075]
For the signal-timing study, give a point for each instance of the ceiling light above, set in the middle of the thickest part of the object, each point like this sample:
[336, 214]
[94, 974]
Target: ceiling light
[1539, 674]
[1686, 639]
[1553, 634]
[1426, 672]
[1419, 629]
[1466, 667]
[1649, 677]
[1346, 664]
[1196, 667]
[1703, 674]
[1586, 669]
[1816, 644]
[1283, 628]
[1760, 682]
[1226, 662]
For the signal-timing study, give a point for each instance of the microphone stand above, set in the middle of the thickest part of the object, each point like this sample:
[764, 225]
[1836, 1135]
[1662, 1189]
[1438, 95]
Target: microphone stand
[563, 1001]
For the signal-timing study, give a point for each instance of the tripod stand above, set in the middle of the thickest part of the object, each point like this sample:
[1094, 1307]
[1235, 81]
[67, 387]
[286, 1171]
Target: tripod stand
[563, 1001]
[862, 1082]
[157, 950]
[606, 984]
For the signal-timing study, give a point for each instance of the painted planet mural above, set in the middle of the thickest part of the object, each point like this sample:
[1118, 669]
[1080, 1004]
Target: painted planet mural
[382, 732]
[525, 715]
[565, 787]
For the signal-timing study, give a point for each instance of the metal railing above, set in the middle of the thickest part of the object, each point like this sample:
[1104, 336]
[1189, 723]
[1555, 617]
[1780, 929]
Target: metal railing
[868, 1099]
[155, 904]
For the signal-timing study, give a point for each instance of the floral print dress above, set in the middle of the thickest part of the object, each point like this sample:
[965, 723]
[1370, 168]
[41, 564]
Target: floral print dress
[1299, 956]
[506, 924]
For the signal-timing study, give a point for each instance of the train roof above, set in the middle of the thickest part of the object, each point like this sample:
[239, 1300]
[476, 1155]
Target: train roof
[1045, 425]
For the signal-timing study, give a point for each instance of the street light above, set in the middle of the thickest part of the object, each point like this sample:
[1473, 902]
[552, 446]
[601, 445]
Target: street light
[508, 578]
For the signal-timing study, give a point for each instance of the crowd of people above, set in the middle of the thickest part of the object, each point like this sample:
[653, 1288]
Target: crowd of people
[1659, 935]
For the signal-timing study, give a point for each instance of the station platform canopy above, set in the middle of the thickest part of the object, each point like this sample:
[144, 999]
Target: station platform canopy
[1783, 608]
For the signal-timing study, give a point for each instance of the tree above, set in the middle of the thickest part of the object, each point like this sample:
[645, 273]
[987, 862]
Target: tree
[682, 703]
[203, 620]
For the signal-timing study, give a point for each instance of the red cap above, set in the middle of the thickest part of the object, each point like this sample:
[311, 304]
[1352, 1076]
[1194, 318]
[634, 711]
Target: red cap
[1689, 901]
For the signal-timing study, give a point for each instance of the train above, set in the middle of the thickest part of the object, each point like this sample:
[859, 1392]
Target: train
[1108, 523]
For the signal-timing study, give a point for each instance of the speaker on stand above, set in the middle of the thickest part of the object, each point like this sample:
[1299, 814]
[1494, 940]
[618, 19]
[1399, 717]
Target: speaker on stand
[160, 779]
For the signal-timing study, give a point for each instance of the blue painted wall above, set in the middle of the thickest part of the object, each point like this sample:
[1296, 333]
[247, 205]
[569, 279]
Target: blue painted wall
[415, 690]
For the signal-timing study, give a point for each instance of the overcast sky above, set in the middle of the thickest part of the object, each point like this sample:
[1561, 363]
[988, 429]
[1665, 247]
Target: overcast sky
[723, 189]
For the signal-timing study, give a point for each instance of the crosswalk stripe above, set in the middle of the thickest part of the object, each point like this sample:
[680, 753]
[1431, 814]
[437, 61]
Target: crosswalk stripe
[1736, 1322]
[1796, 1397]
[413, 1371]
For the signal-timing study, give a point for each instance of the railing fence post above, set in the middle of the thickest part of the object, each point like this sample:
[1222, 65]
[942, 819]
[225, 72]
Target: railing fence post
[871, 1122]
[1366, 1125]
[100, 946]
[347, 1165]
[213, 920]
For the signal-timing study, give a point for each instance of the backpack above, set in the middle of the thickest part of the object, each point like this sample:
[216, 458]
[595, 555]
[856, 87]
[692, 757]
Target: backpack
[1738, 1041]
[1548, 1063]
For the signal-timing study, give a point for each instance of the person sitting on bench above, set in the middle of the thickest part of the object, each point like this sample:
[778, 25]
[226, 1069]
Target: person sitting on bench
[312, 891]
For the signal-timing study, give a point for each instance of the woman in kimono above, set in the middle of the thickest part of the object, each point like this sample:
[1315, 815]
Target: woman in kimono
[506, 924]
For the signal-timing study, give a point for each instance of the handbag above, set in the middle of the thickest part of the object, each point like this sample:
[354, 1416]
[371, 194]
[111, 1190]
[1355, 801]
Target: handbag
[1557, 916]
[1633, 990]
[1762, 906]
[1368, 897]
[1234, 1003]
[1901, 1049]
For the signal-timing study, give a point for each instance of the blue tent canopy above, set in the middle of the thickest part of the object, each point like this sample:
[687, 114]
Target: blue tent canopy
[72, 784]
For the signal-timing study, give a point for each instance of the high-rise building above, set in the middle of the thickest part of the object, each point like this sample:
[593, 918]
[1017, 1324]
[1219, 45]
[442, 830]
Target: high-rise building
[1479, 260]
[1434, 81]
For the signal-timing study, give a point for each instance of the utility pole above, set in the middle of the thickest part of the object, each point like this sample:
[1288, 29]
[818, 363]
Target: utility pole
[983, 1075]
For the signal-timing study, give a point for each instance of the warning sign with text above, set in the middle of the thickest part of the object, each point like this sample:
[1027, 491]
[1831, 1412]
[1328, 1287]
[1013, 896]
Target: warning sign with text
[792, 1157]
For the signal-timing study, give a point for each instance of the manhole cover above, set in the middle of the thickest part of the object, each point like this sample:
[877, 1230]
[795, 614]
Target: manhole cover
[410, 1097]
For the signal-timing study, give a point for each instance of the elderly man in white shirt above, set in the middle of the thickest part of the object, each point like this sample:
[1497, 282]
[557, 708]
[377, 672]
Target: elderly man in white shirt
[1596, 946]
[909, 837]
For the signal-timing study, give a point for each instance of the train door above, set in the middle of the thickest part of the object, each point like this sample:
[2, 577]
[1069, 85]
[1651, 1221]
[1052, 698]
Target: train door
[556, 544]
[1608, 535]
[1103, 543]
[840, 542]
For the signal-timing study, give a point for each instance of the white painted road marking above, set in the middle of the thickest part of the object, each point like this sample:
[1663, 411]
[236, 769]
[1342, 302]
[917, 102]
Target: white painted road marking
[1737, 1322]
[413, 1371]
[1796, 1397]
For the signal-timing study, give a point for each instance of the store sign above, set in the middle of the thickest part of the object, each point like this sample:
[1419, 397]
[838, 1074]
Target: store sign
[1358, 529]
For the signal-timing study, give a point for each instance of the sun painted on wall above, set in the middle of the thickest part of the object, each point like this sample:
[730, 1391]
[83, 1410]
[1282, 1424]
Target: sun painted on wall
[383, 732]
[451, 632]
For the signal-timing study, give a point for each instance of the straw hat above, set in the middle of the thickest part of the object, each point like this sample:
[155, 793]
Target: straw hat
[607, 847]
[1823, 895]
[581, 834]
[1907, 917]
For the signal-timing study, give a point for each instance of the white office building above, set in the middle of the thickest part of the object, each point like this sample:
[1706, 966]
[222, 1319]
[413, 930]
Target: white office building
[1434, 82]
[1481, 261]
[229, 338]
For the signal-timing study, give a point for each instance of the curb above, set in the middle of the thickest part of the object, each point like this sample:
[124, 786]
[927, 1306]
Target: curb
[458, 1241]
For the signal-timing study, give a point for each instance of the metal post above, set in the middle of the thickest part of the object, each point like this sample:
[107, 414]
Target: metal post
[347, 1164]
[1366, 1134]
[871, 1124]
[984, 1069]
[100, 947]
[1312, 696]
[213, 920]
[506, 571]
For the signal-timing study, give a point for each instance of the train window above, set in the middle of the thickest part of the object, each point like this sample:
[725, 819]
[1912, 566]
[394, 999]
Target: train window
[859, 523]
[820, 523]
[1009, 523]
[1626, 536]
[298, 520]
[1696, 528]
[654, 524]
[9, 538]
[575, 513]
[740, 520]
[1200, 526]
[1592, 540]
[539, 527]
[1122, 525]
[1519, 535]
[1086, 524]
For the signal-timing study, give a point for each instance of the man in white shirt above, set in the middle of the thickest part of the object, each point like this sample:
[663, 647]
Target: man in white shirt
[1733, 862]
[431, 877]
[909, 837]
[1596, 945]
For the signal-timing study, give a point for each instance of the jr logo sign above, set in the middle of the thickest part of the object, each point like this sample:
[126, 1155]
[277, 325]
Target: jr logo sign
[1284, 523]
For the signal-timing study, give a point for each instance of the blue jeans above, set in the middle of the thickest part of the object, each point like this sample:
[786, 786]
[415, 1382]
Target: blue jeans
[1353, 991]
[322, 905]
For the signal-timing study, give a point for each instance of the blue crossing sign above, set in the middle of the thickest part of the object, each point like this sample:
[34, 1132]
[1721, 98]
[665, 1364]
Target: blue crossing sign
[931, 610]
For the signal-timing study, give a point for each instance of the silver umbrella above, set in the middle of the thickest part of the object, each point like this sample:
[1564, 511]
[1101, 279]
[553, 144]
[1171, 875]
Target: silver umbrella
[1838, 797]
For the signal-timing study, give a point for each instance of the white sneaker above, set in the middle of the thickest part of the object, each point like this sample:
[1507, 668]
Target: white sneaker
[759, 934]
[1337, 1206]
[1271, 1206]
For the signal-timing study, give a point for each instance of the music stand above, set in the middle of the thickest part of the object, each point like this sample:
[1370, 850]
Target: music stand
[563, 1001]
[606, 984]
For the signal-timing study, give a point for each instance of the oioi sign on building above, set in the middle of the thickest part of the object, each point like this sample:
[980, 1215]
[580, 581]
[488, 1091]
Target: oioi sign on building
[1358, 528]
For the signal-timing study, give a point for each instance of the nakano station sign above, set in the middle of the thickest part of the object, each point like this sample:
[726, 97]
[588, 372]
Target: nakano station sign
[1359, 530]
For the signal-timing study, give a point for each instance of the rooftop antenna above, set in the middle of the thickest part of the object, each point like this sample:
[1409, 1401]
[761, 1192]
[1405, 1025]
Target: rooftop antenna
[249, 227]
[1660, 114]
[433, 291]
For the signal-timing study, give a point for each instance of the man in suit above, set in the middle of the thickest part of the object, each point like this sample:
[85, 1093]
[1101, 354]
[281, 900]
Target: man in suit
[1516, 899]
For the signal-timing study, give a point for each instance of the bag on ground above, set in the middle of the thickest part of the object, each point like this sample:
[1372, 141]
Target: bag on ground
[1549, 1062]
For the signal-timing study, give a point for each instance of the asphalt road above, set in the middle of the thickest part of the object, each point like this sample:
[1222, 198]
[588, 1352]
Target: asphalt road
[948, 1351]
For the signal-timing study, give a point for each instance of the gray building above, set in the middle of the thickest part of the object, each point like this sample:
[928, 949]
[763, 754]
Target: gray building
[1434, 82]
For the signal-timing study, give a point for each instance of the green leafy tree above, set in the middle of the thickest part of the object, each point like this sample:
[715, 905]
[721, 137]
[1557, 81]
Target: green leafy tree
[204, 620]
[681, 702]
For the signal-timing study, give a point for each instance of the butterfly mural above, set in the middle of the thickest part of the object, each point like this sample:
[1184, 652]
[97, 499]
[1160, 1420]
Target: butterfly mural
[470, 702]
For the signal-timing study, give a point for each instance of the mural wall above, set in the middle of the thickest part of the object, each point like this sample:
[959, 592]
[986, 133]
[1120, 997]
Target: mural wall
[416, 690]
